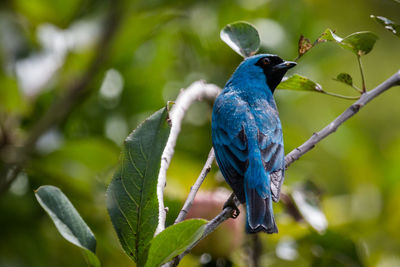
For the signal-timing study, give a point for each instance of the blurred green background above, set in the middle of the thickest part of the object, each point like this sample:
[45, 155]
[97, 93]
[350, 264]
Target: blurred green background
[157, 48]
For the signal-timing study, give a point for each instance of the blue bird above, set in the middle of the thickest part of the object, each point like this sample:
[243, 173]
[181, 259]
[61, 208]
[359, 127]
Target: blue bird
[247, 137]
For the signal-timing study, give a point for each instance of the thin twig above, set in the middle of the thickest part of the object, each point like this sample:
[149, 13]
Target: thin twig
[296, 153]
[226, 213]
[196, 91]
[256, 250]
[193, 191]
[357, 89]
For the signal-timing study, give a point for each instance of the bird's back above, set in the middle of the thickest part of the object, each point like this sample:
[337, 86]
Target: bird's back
[247, 137]
[242, 118]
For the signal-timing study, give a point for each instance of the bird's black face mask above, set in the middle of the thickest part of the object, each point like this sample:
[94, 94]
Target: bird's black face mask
[274, 69]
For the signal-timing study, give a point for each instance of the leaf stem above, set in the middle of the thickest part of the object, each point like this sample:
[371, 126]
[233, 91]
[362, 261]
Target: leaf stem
[340, 96]
[351, 85]
[364, 89]
[357, 89]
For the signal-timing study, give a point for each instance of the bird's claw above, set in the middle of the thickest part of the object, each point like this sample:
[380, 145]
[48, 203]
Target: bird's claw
[235, 212]
[230, 203]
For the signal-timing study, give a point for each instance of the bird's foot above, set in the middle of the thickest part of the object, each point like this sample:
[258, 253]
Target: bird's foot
[231, 203]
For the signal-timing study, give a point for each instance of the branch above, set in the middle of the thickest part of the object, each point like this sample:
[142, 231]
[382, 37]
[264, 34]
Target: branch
[255, 250]
[64, 104]
[224, 215]
[294, 155]
[196, 91]
[193, 190]
[347, 114]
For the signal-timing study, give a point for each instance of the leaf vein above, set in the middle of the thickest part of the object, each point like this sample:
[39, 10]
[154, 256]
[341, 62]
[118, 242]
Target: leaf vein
[141, 149]
[133, 164]
[127, 221]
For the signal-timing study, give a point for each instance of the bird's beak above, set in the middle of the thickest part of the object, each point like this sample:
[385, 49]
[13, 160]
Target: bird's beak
[284, 66]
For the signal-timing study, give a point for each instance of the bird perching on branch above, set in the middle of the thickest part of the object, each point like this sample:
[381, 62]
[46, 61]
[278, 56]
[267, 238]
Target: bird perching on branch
[247, 137]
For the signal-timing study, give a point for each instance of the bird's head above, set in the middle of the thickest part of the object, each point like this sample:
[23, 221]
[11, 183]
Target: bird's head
[265, 68]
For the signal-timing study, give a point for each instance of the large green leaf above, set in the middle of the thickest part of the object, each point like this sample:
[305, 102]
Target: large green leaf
[67, 220]
[299, 83]
[174, 240]
[131, 196]
[360, 43]
[242, 37]
[388, 24]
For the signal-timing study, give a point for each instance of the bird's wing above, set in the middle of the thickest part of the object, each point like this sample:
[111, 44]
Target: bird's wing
[270, 142]
[277, 178]
[230, 140]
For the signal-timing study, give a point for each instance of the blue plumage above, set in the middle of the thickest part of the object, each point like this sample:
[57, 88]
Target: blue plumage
[247, 137]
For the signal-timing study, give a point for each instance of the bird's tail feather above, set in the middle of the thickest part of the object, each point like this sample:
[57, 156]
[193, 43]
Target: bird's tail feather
[260, 215]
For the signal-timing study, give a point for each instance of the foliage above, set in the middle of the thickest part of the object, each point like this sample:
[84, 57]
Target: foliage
[297, 82]
[345, 78]
[131, 196]
[388, 24]
[68, 221]
[360, 43]
[242, 37]
[174, 240]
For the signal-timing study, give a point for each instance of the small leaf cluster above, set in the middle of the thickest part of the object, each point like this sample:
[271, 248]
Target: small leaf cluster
[244, 39]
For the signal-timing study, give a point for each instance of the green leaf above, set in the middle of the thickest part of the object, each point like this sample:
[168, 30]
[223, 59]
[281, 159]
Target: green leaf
[345, 78]
[174, 240]
[360, 43]
[242, 37]
[388, 24]
[329, 35]
[67, 220]
[132, 194]
[299, 83]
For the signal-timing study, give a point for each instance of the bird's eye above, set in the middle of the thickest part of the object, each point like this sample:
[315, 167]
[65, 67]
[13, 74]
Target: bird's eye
[265, 61]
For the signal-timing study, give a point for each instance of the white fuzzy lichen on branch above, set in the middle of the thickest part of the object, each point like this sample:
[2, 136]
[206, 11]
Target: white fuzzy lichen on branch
[197, 91]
